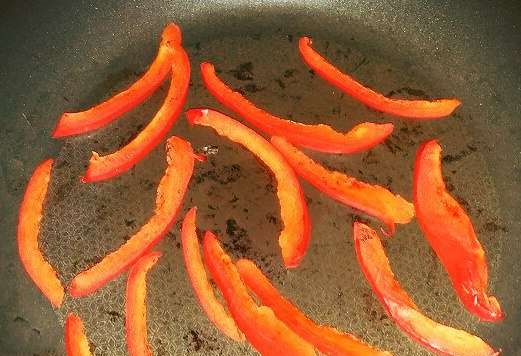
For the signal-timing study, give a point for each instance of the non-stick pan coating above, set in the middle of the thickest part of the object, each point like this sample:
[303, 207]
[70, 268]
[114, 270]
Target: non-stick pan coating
[64, 57]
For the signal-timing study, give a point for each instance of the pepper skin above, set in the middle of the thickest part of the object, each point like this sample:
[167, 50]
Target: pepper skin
[76, 343]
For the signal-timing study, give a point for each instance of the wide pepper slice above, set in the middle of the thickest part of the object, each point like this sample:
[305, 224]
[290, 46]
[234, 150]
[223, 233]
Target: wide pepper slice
[439, 338]
[326, 339]
[372, 199]
[76, 343]
[317, 137]
[29, 218]
[450, 233]
[417, 109]
[102, 114]
[294, 237]
[170, 193]
[262, 329]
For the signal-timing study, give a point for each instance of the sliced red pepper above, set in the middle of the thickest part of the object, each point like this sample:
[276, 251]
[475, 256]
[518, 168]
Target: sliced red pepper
[114, 164]
[200, 283]
[326, 339]
[170, 193]
[436, 337]
[29, 218]
[450, 233]
[294, 237]
[76, 343]
[371, 199]
[417, 109]
[100, 115]
[135, 305]
[262, 329]
[317, 137]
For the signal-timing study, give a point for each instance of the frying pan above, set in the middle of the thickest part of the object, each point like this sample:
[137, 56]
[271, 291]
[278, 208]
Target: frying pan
[62, 55]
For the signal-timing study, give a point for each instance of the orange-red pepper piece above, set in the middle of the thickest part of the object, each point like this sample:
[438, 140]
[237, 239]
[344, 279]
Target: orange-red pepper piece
[170, 193]
[76, 123]
[135, 305]
[326, 339]
[29, 218]
[450, 233]
[194, 264]
[416, 109]
[76, 343]
[262, 329]
[294, 237]
[439, 338]
[317, 137]
[372, 199]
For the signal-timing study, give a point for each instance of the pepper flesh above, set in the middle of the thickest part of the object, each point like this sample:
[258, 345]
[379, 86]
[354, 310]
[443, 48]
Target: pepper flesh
[135, 306]
[439, 338]
[450, 233]
[29, 218]
[294, 237]
[371, 199]
[417, 109]
[102, 114]
[326, 339]
[114, 164]
[318, 137]
[198, 278]
[262, 329]
[170, 193]
[76, 343]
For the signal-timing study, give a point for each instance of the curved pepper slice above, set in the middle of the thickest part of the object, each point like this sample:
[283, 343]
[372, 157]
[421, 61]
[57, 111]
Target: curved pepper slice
[170, 193]
[317, 137]
[76, 343]
[262, 329]
[100, 115]
[450, 233]
[135, 305]
[436, 337]
[114, 164]
[326, 339]
[29, 218]
[417, 109]
[294, 237]
[371, 199]
[199, 280]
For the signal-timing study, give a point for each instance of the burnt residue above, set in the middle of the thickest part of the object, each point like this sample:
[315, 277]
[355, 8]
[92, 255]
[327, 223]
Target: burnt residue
[369, 158]
[244, 71]
[492, 226]
[250, 88]
[197, 341]
[418, 93]
[223, 175]
[288, 73]
[239, 240]
[272, 219]
[114, 315]
[450, 158]
[280, 82]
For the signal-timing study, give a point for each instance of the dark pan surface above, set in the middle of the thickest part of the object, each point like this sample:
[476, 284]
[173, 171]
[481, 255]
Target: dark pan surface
[68, 58]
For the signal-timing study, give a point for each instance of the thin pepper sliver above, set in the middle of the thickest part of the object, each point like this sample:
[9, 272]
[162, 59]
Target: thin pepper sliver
[294, 237]
[266, 333]
[450, 233]
[170, 192]
[439, 338]
[203, 290]
[29, 218]
[416, 109]
[100, 115]
[76, 343]
[317, 137]
[372, 199]
[326, 339]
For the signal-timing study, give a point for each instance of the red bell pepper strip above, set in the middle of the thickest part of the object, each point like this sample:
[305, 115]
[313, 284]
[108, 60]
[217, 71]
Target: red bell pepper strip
[29, 218]
[100, 115]
[199, 280]
[135, 305]
[170, 193]
[114, 164]
[371, 199]
[294, 237]
[262, 329]
[450, 233]
[436, 337]
[326, 339]
[317, 137]
[417, 109]
[76, 343]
